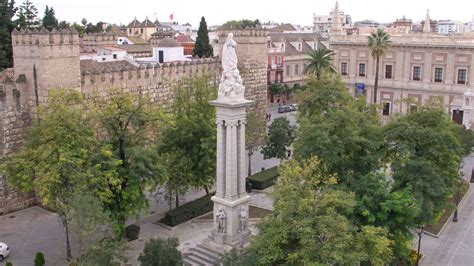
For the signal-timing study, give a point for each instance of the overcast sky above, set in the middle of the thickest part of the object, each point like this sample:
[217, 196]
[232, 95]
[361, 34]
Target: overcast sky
[217, 12]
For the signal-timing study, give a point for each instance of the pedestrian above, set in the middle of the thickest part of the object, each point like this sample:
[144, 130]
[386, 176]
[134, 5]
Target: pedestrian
[266, 117]
[269, 116]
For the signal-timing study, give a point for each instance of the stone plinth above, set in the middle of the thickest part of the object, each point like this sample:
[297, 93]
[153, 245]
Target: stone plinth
[231, 196]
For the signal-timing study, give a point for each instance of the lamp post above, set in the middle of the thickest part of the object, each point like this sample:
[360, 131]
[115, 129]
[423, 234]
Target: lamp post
[455, 216]
[420, 233]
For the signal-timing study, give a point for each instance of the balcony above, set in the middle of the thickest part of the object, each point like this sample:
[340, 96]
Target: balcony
[275, 66]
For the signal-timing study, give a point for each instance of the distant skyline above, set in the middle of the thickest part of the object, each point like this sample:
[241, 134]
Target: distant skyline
[296, 12]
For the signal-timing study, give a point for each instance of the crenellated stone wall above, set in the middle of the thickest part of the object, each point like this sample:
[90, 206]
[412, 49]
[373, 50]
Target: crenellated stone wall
[14, 122]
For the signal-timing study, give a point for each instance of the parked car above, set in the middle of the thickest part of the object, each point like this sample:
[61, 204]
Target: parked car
[284, 109]
[293, 107]
[4, 251]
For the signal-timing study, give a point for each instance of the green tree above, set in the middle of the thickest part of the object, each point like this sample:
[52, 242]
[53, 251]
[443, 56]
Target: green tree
[243, 257]
[242, 24]
[255, 131]
[425, 154]
[87, 220]
[192, 134]
[161, 252]
[280, 136]
[131, 124]
[39, 259]
[319, 62]
[7, 11]
[107, 251]
[311, 222]
[378, 43]
[64, 25]
[49, 19]
[466, 138]
[27, 16]
[344, 132]
[56, 159]
[79, 28]
[203, 48]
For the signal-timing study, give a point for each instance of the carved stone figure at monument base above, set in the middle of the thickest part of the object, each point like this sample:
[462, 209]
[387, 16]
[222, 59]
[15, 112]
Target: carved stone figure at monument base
[243, 219]
[231, 87]
[221, 221]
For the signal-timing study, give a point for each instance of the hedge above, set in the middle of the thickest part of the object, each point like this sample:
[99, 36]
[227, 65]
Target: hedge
[188, 211]
[132, 232]
[264, 179]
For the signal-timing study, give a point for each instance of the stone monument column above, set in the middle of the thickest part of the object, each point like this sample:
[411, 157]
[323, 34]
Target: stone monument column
[231, 200]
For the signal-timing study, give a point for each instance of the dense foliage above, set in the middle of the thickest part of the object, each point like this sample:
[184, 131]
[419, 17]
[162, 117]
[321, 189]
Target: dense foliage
[203, 48]
[161, 252]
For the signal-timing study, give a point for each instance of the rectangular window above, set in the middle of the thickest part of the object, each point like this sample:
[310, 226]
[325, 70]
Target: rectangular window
[417, 73]
[388, 71]
[279, 60]
[462, 73]
[386, 109]
[413, 107]
[344, 68]
[297, 70]
[273, 61]
[361, 70]
[288, 70]
[115, 56]
[438, 74]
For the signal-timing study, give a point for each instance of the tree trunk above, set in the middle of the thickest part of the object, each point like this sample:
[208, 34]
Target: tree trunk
[206, 188]
[318, 75]
[250, 164]
[376, 84]
[170, 199]
[68, 244]
[177, 200]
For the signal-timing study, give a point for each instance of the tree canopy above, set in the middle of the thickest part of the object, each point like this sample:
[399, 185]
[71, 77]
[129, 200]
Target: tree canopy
[203, 48]
[49, 19]
[161, 252]
[7, 12]
[280, 136]
[320, 61]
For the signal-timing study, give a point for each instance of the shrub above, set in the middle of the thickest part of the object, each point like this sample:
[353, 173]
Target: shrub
[132, 232]
[188, 211]
[39, 259]
[264, 179]
[8, 264]
[161, 252]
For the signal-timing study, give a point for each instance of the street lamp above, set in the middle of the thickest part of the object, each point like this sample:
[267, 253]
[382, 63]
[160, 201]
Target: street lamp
[420, 233]
[461, 175]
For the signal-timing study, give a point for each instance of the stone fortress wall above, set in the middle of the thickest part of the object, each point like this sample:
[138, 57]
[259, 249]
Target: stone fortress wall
[44, 60]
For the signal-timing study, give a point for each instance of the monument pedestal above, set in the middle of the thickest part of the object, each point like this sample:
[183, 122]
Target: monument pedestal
[231, 200]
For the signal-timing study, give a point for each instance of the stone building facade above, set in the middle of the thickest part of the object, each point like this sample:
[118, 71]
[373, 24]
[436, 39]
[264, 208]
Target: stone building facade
[46, 60]
[423, 67]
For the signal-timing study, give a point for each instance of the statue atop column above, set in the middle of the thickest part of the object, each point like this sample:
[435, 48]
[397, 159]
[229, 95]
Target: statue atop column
[231, 87]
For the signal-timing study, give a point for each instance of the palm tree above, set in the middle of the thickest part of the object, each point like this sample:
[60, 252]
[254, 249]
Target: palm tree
[378, 43]
[320, 61]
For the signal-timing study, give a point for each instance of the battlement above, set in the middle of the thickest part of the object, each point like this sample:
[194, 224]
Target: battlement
[243, 32]
[44, 37]
[132, 76]
[97, 39]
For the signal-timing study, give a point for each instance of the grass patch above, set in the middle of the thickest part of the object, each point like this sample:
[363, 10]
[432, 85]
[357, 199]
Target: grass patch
[188, 211]
[264, 179]
[436, 228]
[254, 213]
